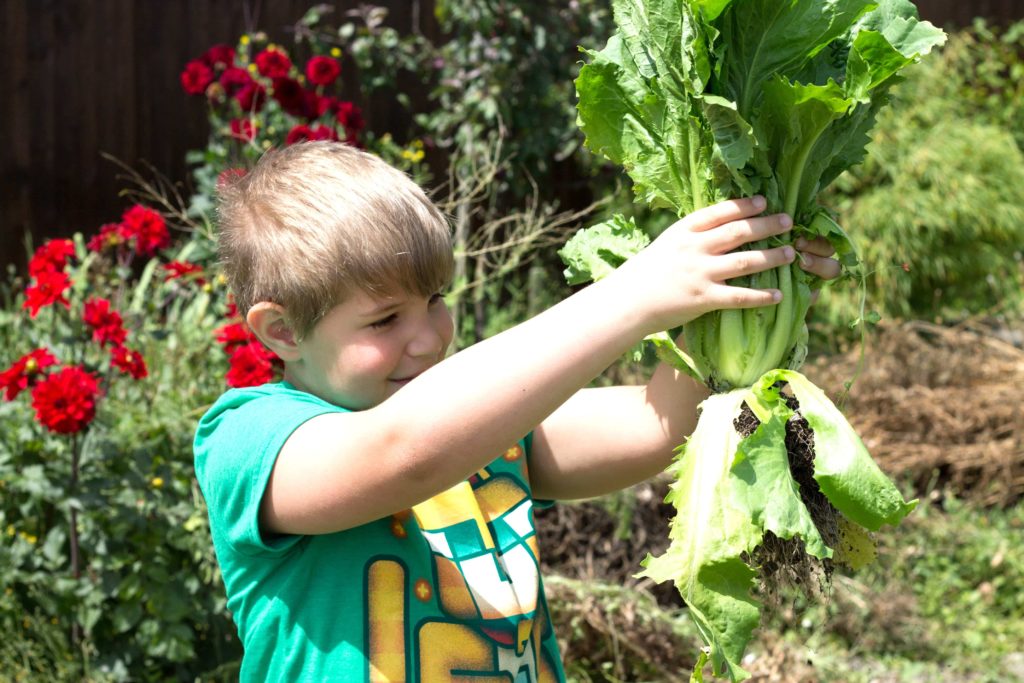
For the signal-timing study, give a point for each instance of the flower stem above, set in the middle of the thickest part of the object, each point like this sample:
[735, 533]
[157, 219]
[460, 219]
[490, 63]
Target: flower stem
[75, 570]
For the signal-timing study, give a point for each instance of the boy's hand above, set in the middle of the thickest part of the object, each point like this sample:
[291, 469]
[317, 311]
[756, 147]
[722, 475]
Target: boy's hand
[683, 273]
[814, 258]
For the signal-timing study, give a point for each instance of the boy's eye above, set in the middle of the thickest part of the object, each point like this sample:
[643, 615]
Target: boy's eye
[384, 322]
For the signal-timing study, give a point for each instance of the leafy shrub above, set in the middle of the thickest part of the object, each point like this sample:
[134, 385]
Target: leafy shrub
[107, 571]
[107, 568]
[937, 208]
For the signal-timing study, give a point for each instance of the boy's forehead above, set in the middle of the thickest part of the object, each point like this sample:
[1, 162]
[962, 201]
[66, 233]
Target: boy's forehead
[364, 303]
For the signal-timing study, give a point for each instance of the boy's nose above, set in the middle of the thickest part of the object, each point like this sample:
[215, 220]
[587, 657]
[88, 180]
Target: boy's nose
[429, 341]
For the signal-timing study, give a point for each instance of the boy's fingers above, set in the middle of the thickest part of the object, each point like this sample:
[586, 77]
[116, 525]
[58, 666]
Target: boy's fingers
[739, 232]
[726, 296]
[740, 263]
[825, 268]
[818, 246]
[723, 212]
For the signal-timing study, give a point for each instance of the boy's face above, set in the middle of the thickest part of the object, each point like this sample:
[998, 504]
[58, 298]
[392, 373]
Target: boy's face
[366, 348]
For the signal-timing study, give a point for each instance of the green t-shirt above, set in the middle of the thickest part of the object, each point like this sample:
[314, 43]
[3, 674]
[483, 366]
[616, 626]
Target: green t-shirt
[448, 590]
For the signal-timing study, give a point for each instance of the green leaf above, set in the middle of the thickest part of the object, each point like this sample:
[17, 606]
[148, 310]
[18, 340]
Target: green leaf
[766, 39]
[594, 252]
[843, 468]
[668, 352]
[822, 225]
[763, 481]
[793, 118]
[709, 533]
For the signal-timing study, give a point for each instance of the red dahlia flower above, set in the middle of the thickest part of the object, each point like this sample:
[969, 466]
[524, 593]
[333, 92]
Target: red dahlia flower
[196, 77]
[110, 235]
[251, 97]
[351, 118]
[233, 335]
[295, 99]
[48, 289]
[273, 63]
[65, 402]
[17, 378]
[322, 70]
[302, 133]
[242, 129]
[177, 269]
[229, 176]
[219, 56]
[251, 365]
[53, 256]
[147, 227]
[107, 325]
[234, 79]
[129, 362]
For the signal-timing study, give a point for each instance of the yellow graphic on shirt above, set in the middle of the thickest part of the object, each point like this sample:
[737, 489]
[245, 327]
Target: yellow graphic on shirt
[484, 552]
[385, 602]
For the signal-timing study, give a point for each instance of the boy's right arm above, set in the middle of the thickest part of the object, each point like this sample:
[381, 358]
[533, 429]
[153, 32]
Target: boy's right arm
[341, 470]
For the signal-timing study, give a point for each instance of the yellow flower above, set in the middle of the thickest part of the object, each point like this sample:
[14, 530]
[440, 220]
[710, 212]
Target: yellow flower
[252, 69]
[157, 482]
[244, 40]
[266, 144]
[31, 365]
[207, 287]
[335, 52]
[10, 529]
[29, 537]
[222, 279]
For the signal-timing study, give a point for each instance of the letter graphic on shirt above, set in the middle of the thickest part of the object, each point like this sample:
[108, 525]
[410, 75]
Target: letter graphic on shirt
[485, 555]
[486, 582]
[386, 600]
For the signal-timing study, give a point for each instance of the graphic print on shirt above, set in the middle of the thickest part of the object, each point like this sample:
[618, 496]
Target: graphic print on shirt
[486, 577]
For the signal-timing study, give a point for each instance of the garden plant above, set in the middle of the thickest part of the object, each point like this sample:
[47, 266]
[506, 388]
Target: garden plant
[701, 101]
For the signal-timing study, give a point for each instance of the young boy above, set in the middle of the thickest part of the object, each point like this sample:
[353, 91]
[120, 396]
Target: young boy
[372, 513]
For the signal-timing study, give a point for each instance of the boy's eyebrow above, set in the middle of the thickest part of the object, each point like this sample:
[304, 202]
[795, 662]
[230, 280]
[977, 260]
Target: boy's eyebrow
[383, 308]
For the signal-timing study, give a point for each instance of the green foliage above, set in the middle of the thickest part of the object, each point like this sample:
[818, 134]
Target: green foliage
[937, 207]
[943, 602]
[695, 115]
[143, 600]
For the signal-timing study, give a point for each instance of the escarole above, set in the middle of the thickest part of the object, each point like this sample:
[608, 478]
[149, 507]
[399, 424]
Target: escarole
[705, 100]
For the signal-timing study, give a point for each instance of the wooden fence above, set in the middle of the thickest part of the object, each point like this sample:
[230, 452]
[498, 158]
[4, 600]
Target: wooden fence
[85, 77]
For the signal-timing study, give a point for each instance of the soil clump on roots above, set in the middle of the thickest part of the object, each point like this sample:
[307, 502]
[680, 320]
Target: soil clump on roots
[781, 562]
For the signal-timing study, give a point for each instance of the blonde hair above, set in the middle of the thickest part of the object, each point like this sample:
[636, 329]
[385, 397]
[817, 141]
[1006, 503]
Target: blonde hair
[316, 221]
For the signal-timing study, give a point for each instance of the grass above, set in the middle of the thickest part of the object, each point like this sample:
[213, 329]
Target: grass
[944, 602]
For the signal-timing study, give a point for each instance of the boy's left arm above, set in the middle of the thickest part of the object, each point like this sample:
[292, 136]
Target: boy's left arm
[606, 439]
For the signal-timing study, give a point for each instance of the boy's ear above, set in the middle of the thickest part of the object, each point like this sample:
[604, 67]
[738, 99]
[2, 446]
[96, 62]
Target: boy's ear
[268, 323]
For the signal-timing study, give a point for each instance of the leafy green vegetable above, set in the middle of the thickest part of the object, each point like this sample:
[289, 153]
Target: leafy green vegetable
[704, 100]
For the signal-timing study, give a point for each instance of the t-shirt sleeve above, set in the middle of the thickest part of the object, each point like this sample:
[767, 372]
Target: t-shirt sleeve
[528, 449]
[236, 446]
